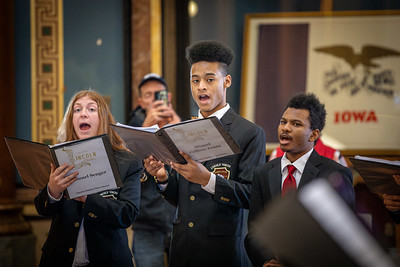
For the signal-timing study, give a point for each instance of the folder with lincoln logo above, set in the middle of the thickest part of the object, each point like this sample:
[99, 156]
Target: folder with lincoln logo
[93, 158]
[202, 139]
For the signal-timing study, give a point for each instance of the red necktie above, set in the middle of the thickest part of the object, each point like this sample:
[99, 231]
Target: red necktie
[290, 182]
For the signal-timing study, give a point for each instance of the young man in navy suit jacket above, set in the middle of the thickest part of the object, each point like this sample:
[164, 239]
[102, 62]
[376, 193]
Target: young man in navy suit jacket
[211, 196]
[299, 128]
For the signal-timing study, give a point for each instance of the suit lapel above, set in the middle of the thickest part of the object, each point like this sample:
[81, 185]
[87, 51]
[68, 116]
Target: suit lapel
[227, 119]
[311, 170]
[275, 180]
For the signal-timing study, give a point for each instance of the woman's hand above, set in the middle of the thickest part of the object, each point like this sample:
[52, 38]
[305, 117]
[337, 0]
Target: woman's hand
[58, 181]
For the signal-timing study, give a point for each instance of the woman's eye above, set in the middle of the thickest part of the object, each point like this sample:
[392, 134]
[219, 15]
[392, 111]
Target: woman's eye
[77, 109]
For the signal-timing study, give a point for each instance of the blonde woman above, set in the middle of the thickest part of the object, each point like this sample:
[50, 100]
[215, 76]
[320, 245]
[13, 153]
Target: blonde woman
[90, 230]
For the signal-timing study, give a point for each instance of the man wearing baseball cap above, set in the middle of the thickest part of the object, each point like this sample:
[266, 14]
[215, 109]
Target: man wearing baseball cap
[150, 110]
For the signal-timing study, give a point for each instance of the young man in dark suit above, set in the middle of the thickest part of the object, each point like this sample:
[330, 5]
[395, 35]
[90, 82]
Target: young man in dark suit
[211, 196]
[299, 128]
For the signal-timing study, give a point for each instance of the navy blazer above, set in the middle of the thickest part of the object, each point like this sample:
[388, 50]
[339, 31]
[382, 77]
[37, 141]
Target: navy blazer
[106, 215]
[208, 229]
[267, 186]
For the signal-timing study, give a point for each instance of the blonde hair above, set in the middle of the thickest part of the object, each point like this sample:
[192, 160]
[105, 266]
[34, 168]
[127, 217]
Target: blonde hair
[66, 130]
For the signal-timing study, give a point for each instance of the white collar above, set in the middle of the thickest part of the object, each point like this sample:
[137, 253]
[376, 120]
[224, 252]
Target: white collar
[219, 113]
[300, 163]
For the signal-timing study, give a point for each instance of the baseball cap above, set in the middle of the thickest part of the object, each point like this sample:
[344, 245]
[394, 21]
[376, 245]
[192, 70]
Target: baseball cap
[152, 77]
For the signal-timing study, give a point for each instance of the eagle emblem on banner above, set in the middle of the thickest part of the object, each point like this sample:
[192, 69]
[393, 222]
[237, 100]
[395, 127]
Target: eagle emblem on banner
[381, 81]
[368, 53]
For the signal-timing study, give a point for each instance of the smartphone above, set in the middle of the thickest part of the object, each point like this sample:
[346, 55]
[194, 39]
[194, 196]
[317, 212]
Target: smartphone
[161, 95]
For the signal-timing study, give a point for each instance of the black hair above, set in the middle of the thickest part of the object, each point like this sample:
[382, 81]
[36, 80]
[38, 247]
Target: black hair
[211, 51]
[310, 102]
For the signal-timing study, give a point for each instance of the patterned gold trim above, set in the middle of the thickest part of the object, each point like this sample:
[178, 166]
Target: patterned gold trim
[47, 63]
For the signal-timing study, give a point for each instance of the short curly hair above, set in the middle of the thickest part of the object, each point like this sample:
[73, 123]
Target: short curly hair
[310, 102]
[211, 51]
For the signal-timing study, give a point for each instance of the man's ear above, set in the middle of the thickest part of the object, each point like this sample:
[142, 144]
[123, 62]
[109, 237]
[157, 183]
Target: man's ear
[227, 81]
[314, 135]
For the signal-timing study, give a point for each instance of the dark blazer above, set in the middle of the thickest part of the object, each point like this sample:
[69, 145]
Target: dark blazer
[208, 228]
[106, 215]
[267, 186]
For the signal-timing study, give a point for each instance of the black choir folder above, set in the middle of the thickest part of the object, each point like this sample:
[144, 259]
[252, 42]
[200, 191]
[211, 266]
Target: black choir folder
[202, 139]
[317, 228]
[93, 158]
[378, 174]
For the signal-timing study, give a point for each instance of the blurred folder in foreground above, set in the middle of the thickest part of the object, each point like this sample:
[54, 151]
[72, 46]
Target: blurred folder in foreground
[316, 228]
[378, 174]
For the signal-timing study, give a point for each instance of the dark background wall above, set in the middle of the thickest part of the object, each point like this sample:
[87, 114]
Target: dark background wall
[94, 50]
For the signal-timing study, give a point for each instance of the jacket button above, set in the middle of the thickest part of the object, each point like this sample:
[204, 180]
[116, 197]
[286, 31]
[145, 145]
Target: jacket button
[224, 199]
[192, 198]
[191, 224]
[76, 224]
[70, 250]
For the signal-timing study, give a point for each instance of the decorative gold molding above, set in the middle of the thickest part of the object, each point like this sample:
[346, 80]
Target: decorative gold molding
[47, 63]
